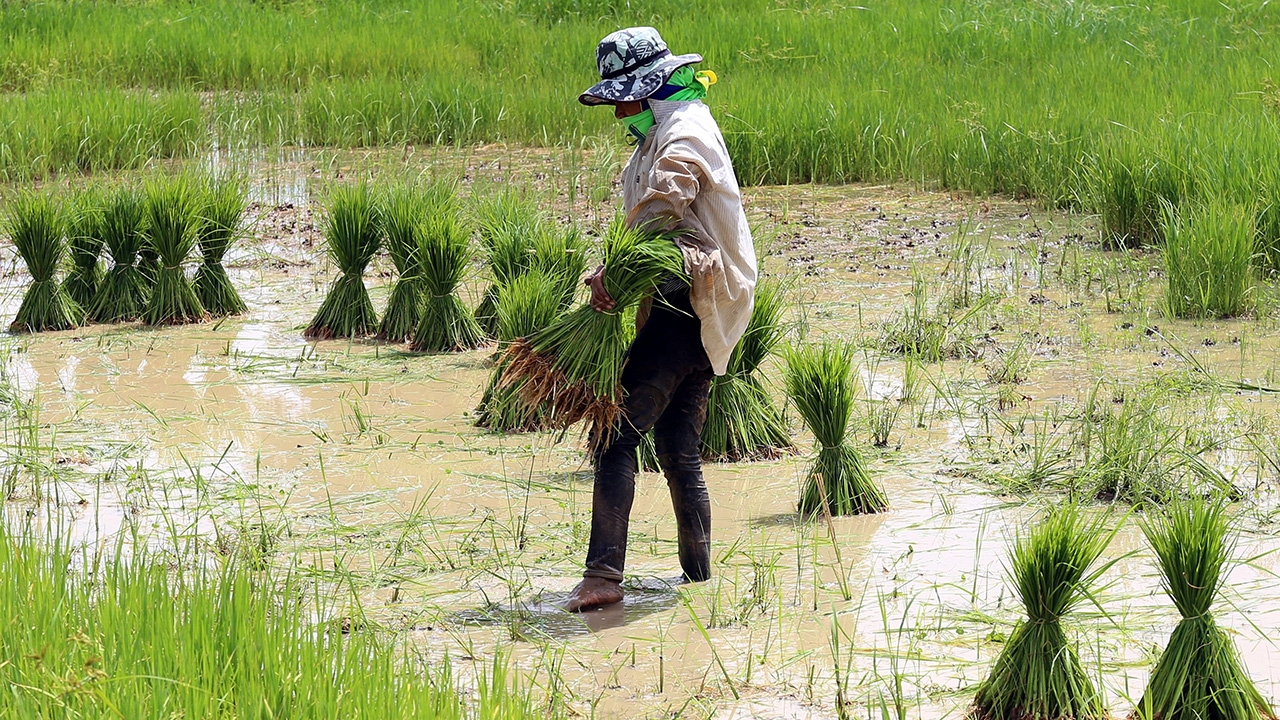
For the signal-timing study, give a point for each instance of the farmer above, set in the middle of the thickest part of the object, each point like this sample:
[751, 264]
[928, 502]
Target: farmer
[678, 178]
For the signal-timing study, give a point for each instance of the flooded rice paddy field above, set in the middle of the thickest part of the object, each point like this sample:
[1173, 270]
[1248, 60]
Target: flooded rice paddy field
[360, 462]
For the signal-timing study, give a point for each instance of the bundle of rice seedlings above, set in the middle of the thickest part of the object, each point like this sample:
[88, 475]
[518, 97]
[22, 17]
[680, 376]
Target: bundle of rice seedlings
[574, 365]
[444, 251]
[352, 232]
[403, 210]
[122, 295]
[819, 381]
[743, 423]
[508, 225]
[526, 305]
[1200, 674]
[1038, 675]
[36, 224]
[148, 265]
[85, 239]
[224, 206]
[560, 253]
[172, 208]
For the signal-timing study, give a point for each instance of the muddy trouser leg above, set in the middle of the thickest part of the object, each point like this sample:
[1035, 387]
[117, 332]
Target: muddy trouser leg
[677, 437]
[666, 350]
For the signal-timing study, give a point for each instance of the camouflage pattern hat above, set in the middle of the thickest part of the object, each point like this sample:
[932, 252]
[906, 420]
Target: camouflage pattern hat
[634, 63]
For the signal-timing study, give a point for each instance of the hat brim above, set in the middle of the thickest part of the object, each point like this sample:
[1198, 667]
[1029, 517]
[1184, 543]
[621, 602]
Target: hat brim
[637, 84]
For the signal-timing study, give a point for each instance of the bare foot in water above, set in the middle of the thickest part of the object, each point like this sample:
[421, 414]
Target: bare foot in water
[593, 592]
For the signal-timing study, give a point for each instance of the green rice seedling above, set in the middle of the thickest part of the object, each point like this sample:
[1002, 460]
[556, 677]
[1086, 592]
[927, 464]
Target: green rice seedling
[929, 334]
[574, 366]
[1208, 256]
[122, 295]
[560, 253]
[444, 252]
[1200, 674]
[743, 423]
[525, 305]
[37, 225]
[1038, 675]
[353, 232]
[172, 208]
[819, 381]
[509, 224]
[403, 210]
[85, 240]
[224, 205]
[1267, 257]
[1130, 194]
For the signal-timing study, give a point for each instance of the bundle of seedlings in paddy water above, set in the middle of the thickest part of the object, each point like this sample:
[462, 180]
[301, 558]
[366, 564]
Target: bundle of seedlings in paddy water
[509, 225]
[122, 295]
[444, 251]
[1200, 674]
[743, 423]
[819, 381]
[525, 305]
[403, 210]
[1038, 675]
[223, 208]
[85, 239]
[37, 225]
[1208, 256]
[172, 211]
[561, 254]
[352, 233]
[574, 365]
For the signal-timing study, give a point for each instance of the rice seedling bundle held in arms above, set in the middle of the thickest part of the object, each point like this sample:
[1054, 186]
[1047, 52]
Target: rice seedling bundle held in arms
[403, 210]
[224, 206]
[819, 381]
[1038, 675]
[352, 233]
[172, 208]
[444, 251]
[1200, 674]
[743, 422]
[85, 239]
[525, 305]
[122, 295]
[36, 224]
[574, 366]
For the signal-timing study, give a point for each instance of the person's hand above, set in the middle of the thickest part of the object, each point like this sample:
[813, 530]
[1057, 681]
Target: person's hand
[600, 299]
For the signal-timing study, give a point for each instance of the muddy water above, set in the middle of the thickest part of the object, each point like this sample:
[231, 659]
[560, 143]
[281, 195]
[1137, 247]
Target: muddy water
[363, 457]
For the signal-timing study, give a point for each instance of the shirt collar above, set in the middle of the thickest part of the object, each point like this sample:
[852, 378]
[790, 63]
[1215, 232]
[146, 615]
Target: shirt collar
[663, 109]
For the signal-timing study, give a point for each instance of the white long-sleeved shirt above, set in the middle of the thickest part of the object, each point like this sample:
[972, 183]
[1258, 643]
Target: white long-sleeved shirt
[682, 177]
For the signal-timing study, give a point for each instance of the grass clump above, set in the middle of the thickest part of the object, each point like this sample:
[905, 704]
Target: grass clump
[1208, 255]
[819, 381]
[930, 334]
[223, 209]
[574, 365]
[403, 210]
[85, 241]
[444, 251]
[172, 209]
[1130, 194]
[353, 233]
[1199, 675]
[525, 305]
[743, 423]
[37, 226]
[1038, 675]
[122, 295]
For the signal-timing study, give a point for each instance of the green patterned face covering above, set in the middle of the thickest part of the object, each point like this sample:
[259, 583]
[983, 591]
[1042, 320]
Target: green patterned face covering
[685, 85]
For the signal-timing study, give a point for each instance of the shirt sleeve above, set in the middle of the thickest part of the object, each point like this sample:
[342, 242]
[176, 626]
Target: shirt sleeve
[678, 174]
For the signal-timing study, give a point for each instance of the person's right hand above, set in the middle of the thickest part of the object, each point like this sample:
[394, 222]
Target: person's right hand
[600, 299]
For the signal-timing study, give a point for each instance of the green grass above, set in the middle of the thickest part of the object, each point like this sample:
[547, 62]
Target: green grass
[116, 632]
[1208, 258]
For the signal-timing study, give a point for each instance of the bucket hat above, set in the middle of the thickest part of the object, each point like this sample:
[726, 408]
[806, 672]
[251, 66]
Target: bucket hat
[634, 63]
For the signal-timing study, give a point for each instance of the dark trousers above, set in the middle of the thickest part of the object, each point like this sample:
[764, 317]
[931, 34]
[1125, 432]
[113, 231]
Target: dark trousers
[666, 378]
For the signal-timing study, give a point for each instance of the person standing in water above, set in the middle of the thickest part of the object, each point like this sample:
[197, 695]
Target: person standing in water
[678, 179]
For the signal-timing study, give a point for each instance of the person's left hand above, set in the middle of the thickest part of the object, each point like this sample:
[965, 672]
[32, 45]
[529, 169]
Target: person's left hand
[600, 299]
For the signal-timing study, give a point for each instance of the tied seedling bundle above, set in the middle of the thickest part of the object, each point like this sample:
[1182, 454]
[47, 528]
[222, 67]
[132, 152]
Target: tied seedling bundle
[819, 381]
[224, 206]
[36, 225]
[122, 295]
[743, 423]
[172, 208]
[84, 238]
[573, 367]
[352, 234]
[1200, 674]
[1038, 675]
[508, 226]
[444, 251]
[403, 210]
[525, 305]
[561, 254]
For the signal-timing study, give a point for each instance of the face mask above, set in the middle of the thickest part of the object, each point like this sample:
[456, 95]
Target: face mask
[639, 125]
